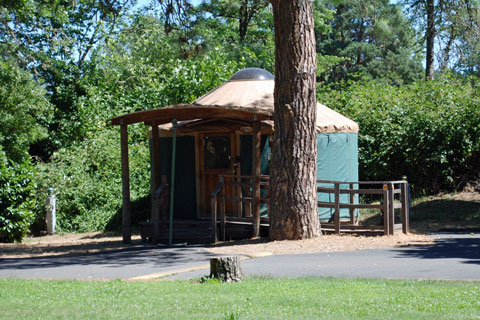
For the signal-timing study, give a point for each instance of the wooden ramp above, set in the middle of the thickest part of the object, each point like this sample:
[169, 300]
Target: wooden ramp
[184, 231]
[200, 231]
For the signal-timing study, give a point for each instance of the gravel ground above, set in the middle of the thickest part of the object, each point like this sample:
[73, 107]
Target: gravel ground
[66, 244]
[328, 243]
[75, 244]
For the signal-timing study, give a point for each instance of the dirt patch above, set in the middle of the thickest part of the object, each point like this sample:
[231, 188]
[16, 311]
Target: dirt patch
[67, 244]
[327, 243]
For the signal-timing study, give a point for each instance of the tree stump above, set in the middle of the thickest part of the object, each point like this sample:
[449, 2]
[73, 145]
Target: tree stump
[227, 269]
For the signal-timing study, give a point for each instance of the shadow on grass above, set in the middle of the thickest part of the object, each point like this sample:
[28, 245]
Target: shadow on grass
[445, 215]
[446, 210]
[439, 215]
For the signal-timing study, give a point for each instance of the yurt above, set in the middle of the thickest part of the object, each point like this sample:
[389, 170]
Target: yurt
[227, 132]
[209, 147]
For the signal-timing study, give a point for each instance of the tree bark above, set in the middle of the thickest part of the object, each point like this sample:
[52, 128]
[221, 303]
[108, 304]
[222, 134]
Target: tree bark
[226, 269]
[430, 37]
[293, 170]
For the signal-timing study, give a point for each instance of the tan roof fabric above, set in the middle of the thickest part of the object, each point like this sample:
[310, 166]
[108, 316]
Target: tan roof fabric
[258, 94]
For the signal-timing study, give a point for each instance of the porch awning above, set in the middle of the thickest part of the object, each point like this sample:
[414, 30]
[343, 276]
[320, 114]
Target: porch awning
[192, 111]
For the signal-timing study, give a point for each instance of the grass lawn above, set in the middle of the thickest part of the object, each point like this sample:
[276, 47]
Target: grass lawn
[255, 298]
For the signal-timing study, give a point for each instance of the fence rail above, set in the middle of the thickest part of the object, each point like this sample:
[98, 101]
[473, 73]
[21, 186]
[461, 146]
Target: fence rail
[387, 205]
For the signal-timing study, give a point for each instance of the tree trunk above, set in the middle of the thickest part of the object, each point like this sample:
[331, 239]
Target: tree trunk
[243, 21]
[226, 269]
[293, 170]
[430, 37]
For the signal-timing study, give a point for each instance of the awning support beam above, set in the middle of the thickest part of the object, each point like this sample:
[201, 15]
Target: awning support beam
[126, 208]
[155, 183]
[256, 138]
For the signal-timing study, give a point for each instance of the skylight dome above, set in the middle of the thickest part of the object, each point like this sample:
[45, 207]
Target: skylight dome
[252, 74]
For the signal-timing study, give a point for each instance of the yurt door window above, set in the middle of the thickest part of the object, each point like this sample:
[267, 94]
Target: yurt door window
[218, 155]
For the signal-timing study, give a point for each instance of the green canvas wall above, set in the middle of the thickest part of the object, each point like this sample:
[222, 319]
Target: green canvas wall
[185, 199]
[337, 159]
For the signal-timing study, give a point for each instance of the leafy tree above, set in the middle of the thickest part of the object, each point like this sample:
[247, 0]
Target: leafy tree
[450, 31]
[371, 39]
[52, 40]
[242, 28]
[24, 114]
[243, 15]
[24, 111]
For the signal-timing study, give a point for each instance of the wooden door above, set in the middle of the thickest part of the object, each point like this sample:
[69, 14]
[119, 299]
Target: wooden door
[217, 152]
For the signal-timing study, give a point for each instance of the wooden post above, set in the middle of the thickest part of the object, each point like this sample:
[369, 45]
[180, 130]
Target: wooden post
[155, 215]
[222, 210]
[385, 210]
[256, 178]
[352, 201]
[155, 155]
[164, 208]
[248, 206]
[213, 205]
[391, 209]
[404, 199]
[126, 208]
[337, 208]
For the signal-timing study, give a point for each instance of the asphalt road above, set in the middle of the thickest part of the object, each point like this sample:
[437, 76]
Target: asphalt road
[453, 256]
[120, 264]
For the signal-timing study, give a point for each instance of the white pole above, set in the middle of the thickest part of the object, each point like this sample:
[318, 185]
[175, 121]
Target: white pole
[51, 207]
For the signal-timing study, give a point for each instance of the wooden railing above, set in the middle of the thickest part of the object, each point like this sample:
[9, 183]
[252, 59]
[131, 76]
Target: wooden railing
[151, 230]
[387, 204]
[245, 199]
[385, 190]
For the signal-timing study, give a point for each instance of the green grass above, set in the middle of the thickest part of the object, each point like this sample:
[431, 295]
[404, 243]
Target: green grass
[255, 298]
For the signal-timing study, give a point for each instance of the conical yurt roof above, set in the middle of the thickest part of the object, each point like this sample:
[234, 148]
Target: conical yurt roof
[252, 88]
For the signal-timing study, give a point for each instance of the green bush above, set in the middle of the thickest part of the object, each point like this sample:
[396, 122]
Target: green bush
[16, 199]
[87, 180]
[429, 131]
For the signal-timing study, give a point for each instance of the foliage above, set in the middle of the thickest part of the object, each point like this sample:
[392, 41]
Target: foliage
[374, 39]
[456, 32]
[87, 180]
[24, 114]
[24, 111]
[298, 298]
[16, 199]
[428, 131]
[52, 40]
[243, 29]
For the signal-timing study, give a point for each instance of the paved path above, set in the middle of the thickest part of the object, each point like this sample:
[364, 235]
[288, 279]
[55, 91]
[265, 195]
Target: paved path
[451, 257]
[123, 264]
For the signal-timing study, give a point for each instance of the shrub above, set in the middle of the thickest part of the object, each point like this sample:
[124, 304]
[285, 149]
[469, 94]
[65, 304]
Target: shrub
[16, 200]
[87, 180]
